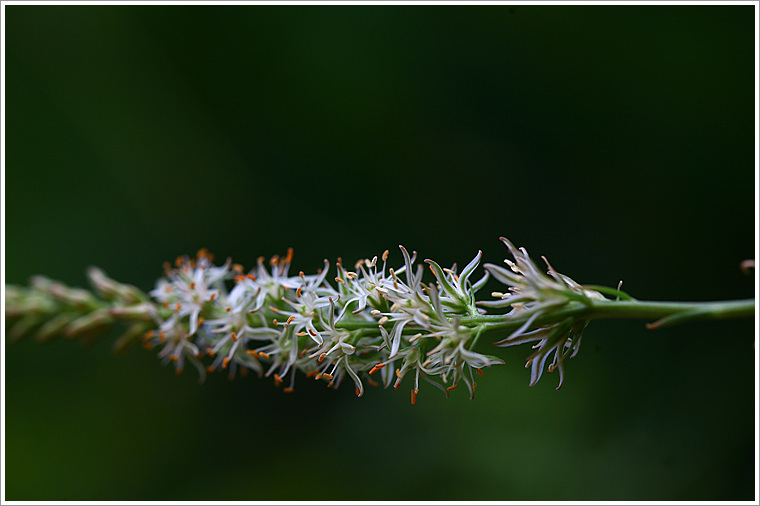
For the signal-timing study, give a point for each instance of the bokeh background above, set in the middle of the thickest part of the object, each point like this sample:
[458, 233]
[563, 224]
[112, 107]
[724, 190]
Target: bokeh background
[616, 140]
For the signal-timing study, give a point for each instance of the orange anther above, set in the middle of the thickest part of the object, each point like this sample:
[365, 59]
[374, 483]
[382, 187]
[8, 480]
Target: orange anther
[290, 256]
[202, 253]
[192, 285]
[301, 334]
[312, 332]
[300, 273]
[263, 355]
[237, 268]
[298, 292]
[274, 309]
[358, 392]
[234, 336]
[318, 377]
[239, 278]
[372, 383]
[287, 390]
[414, 396]
[149, 334]
[179, 305]
[479, 371]
[177, 261]
[213, 296]
[250, 276]
[274, 260]
[201, 320]
[398, 374]
[340, 281]
[166, 305]
[275, 321]
[210, 352]
[225, 362]
[376, 368]
[328, 376]
[277, 379]
[290, 320]
[312, 373]
[385, 255]
[228, 309]
[320, 359]
[302, 354]
[252, 352]
[162, 336]
[210, 369]
[173, 358]
[452, 387]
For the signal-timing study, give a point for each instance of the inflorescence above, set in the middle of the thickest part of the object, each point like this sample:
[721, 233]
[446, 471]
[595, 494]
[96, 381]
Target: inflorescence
[371, 324]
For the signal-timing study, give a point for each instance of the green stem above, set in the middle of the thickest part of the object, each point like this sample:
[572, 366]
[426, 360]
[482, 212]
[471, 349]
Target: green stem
[665, 313]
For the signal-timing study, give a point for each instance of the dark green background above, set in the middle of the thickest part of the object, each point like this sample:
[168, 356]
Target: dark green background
[615, 140]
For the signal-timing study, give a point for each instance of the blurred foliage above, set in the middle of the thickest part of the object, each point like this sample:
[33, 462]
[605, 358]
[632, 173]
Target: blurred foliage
[616, 140]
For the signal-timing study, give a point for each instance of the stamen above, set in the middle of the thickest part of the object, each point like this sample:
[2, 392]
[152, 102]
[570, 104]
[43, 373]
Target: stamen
[414, 395]
[451, 388]
[201, 320]
[289, 257]
[298, 292]
[339, 280]
[210, 352]
[275, 321]
[179, 305]
[479, 372]
[321, 358]
[328, 375]
[254, 353]
[274, 309]
[263, 355]
[372, 383]
[312, 373]
[251, 276]
[287, 390]
[383, 320]
[210, 368]
[290, 320]
[213, 296]
[375, 312]
[162, 336]
[192, 285]
[376, 368]
[277, 379]
[312, 332]
[228, 309]
[385, 255]
[225, 362]
[395, 306]
[239, 278]
[173, 358]
[234, 337]
[149, 334]
[237, 268]
[398, 374]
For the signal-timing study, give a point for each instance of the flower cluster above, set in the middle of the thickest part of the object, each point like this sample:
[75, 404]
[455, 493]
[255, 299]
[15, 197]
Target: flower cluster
[371, 324]
[532, 294]
[372, 319]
